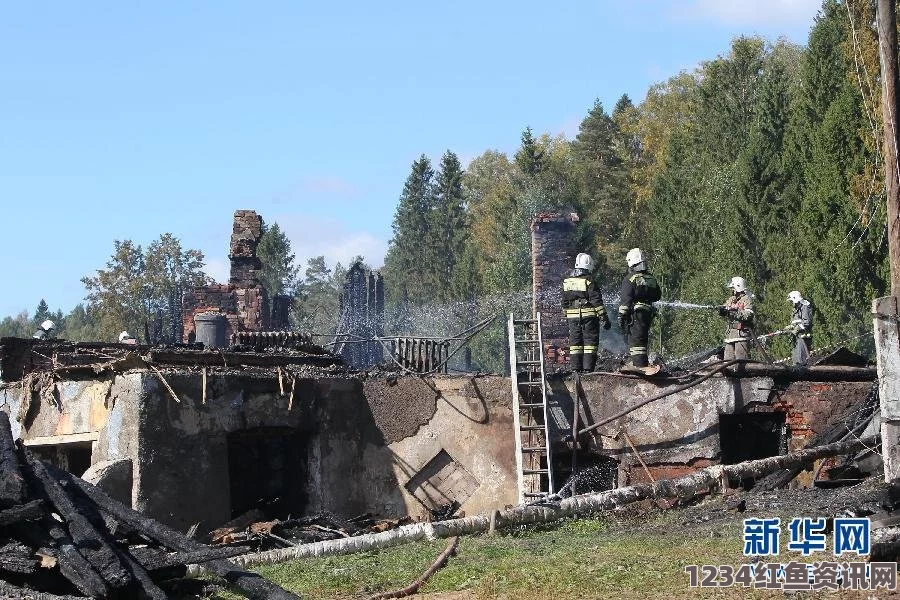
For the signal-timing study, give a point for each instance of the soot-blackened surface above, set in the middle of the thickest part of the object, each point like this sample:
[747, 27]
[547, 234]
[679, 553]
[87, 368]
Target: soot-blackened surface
[399, 409]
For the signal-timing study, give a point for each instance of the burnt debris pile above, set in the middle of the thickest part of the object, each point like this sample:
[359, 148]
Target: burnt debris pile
[252, 530]
[20, 357]
[60, 535]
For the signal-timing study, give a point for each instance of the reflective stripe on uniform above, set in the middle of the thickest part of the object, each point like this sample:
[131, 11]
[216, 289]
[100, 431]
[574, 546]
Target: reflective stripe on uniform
[624, 310]
[638, 350]
[575, 284]
[588, 348]
[576, 349]
[584, 312]
[643, 306]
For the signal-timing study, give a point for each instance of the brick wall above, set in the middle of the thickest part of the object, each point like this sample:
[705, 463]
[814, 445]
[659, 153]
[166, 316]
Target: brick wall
[552, 258]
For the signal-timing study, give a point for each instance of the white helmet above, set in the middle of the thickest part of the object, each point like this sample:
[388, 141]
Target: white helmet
[634, 257]
[795, 297]
[125, 336]
[48, 325]
[737, 284]
[584, 261]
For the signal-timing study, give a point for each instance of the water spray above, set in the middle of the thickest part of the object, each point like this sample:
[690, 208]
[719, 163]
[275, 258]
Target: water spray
[685, 305]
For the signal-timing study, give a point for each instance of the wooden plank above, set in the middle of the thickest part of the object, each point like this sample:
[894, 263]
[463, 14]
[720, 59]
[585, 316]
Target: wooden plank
[56, 440]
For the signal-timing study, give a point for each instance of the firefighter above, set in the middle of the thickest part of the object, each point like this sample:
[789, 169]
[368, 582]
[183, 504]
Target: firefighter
[636, 297]
[584, 310]
[738, 309]
[46, 330]
[801, 327]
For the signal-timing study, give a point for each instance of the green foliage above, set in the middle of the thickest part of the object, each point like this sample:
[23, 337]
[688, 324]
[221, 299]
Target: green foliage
[279, 274]
[317, 298]
[141, 292]
[18, 326]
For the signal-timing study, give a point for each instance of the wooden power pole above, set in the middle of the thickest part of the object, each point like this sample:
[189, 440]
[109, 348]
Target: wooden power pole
[886, 311]
[887, 51]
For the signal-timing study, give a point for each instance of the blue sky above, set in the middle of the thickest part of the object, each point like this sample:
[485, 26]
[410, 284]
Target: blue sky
[124, 120]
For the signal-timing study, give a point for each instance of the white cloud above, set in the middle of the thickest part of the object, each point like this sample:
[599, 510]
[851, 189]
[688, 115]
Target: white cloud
[756, 13]
[315, 236]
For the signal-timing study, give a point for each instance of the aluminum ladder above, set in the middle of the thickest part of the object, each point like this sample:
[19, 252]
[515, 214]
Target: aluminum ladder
[529, 403]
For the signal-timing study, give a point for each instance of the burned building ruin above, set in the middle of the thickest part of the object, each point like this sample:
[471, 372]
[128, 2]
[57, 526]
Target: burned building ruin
[362, 317]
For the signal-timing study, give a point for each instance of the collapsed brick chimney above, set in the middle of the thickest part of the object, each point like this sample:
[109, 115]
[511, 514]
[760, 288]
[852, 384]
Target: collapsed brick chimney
[243, 300]
[552, 258]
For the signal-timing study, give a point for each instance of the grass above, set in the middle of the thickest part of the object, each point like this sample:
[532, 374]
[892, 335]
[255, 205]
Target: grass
[579, 559]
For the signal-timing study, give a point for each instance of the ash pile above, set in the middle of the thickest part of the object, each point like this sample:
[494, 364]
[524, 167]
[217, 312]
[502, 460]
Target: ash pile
[63, 538]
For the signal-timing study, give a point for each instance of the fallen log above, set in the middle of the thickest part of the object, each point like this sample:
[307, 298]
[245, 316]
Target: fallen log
[412, 588]
[24, 512]
[252, 585]
[91, 543]
[574, 506]
[12, 484]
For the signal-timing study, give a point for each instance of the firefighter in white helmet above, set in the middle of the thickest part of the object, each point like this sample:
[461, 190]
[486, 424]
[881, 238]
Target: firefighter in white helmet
[637, 294]
[46, 330]
[738, 309]
[801, 327]
[583, 306]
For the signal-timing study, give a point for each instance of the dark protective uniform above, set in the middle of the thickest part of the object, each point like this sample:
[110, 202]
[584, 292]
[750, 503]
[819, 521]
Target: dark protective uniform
[801, 327]
[636, 311]
[738, 309]
[583, 306]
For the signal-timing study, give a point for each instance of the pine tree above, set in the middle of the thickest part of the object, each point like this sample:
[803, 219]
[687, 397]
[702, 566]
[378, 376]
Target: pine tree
[406, 268]
[279, 273]
[604, 185]
[448, 226]
[530, 157]
[41, 314]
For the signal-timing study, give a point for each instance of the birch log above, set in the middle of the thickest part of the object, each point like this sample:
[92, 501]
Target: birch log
[683, 487]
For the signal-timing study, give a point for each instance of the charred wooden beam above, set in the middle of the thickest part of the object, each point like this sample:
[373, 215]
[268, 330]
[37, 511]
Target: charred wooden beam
[16, 557]
[192, 557]
[233, 359]
[8, 590]
[12, 485]
[89, 541]
[72, 565]
[24, 512]
[253, 585]
[146, 586]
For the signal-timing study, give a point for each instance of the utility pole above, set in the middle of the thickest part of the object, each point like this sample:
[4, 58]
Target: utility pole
[886, 315]
[887, 51]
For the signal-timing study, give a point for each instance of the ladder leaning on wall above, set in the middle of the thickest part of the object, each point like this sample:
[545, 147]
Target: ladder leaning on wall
[529, 403]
